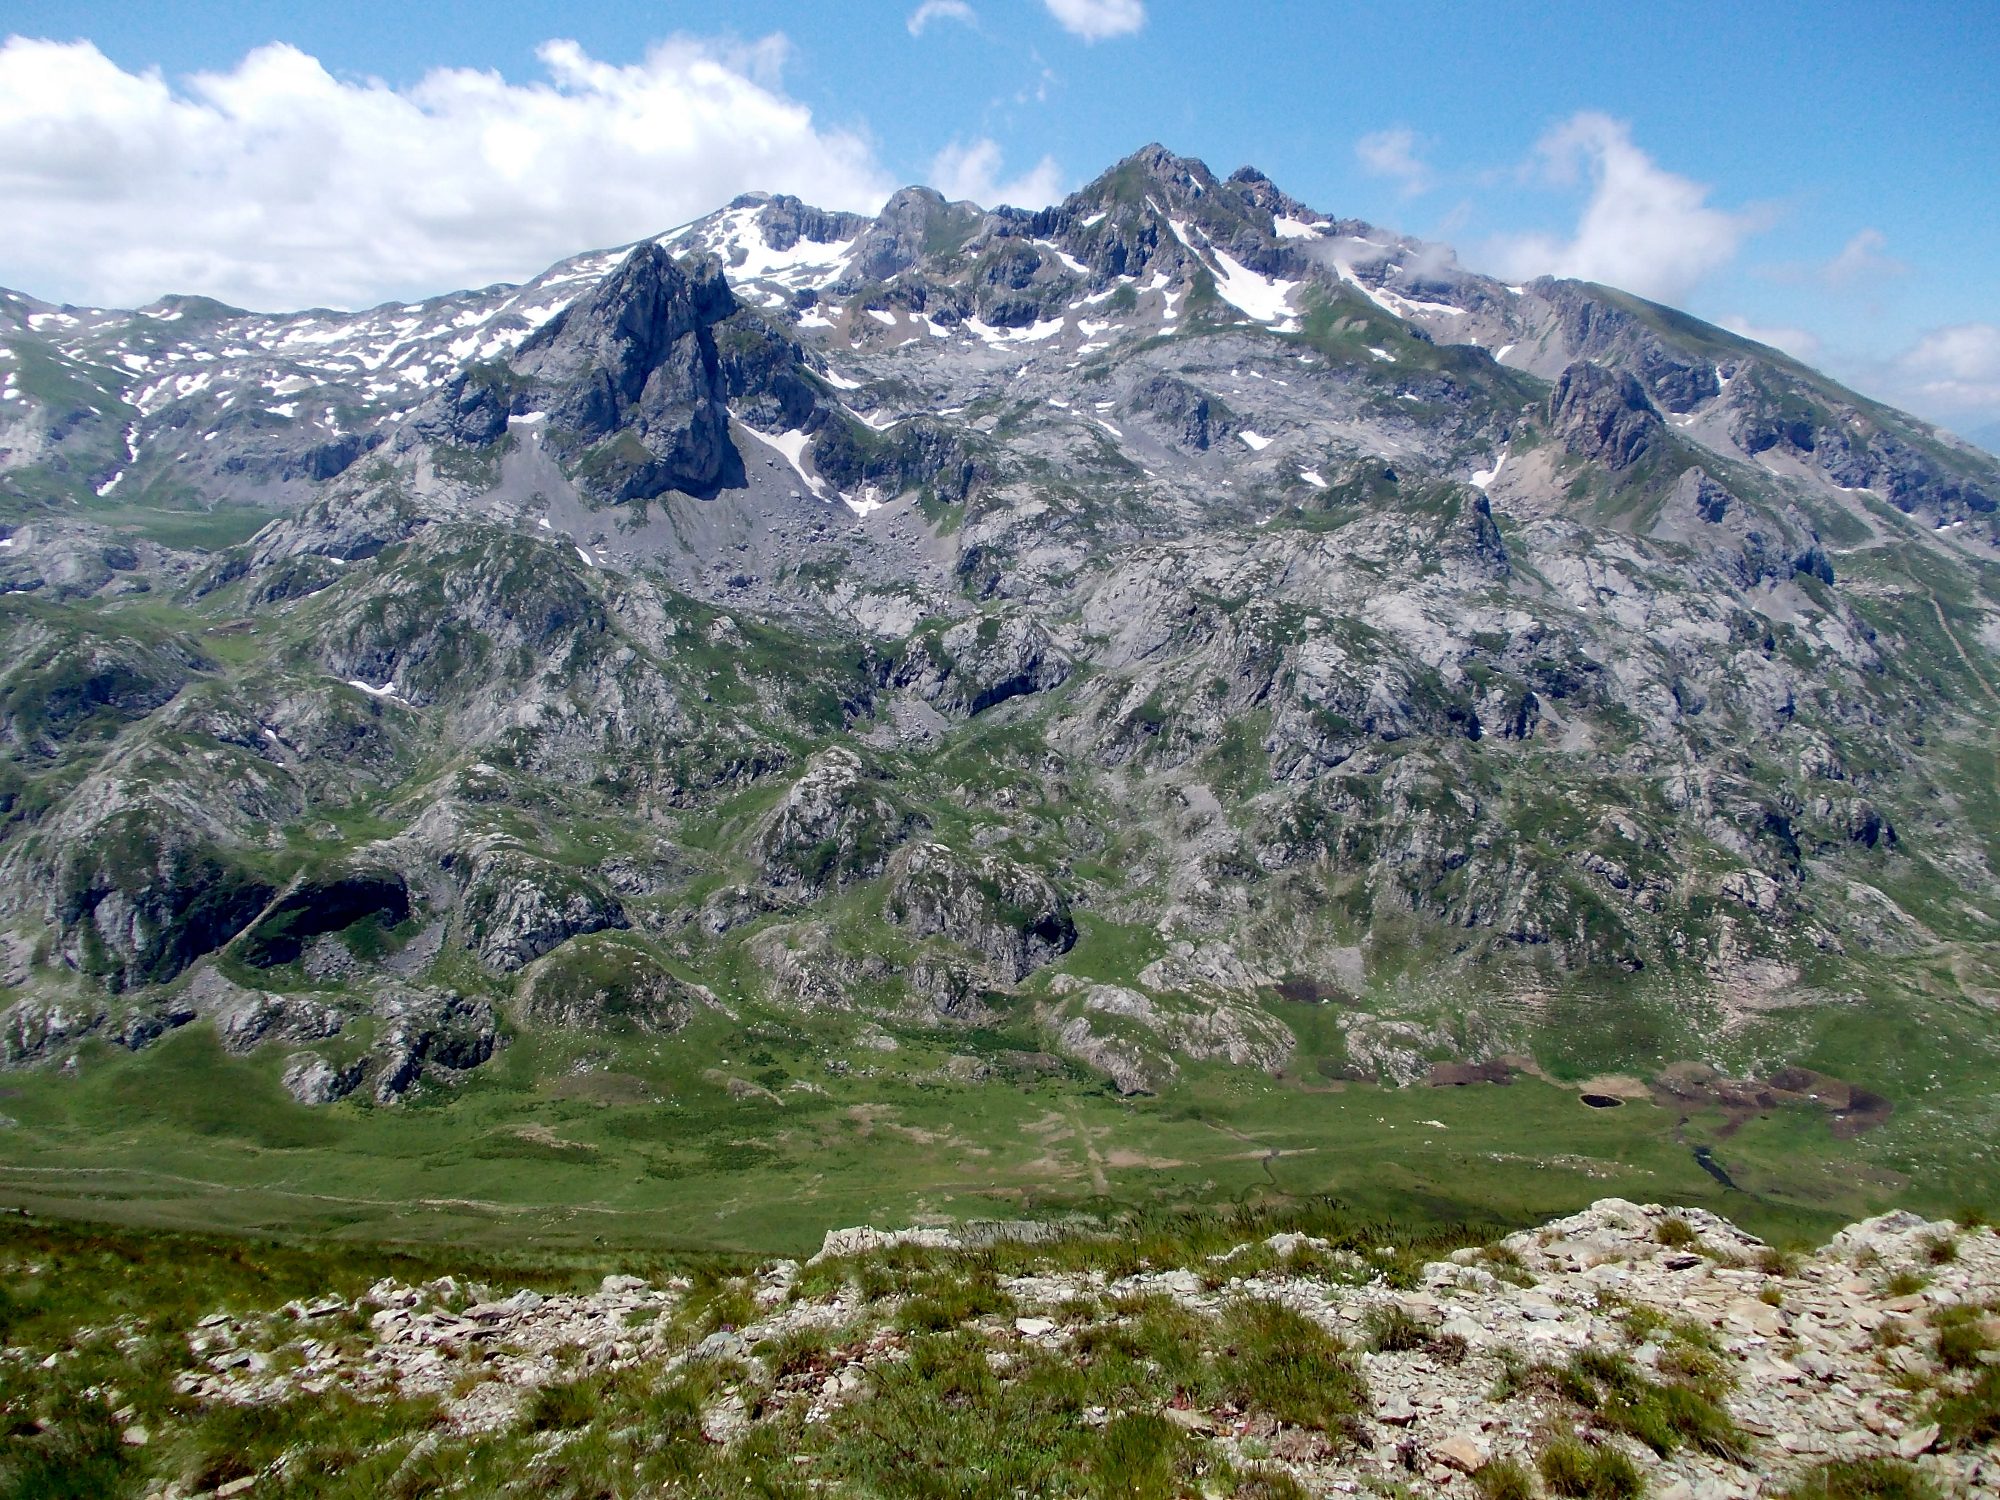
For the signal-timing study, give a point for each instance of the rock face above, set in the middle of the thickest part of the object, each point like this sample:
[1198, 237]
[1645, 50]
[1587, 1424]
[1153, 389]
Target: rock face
[422, 1031]
[626, 379]
[1750, 1372]
[1603, 415]
[978, 664]
[1192, 418]
[312, 1079]
[145, 897]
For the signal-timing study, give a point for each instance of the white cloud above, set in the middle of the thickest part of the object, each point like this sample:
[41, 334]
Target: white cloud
[1097, 20]
[940, 10]
[1955, 368]
[1644, 229]
[1800, 343]
[277, 185]
[1393, 153]
[972, 171]
[1862, 259]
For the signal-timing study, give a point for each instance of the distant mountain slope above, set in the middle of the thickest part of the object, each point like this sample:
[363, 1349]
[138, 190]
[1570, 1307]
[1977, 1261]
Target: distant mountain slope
[1122, 623]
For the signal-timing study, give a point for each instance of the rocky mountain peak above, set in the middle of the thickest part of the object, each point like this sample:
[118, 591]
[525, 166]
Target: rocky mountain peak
[1177, 178]
[624, 384]
[629, 320]
[1243, 580]
[915, 222]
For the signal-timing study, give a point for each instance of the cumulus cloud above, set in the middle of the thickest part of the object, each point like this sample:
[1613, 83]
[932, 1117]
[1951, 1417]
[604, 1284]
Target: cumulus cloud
[973, 171]
[1643, 228]
[277, 185]
[1800, 343]
[1955, 368]
[1393, 153]
[1097, 20]
[1863, 259]
[940, 10]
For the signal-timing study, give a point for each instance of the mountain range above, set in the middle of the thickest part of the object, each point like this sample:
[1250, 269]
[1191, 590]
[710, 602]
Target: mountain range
[1169, 636]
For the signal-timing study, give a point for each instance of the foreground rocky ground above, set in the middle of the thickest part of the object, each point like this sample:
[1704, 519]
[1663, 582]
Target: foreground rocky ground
[1625, 1350]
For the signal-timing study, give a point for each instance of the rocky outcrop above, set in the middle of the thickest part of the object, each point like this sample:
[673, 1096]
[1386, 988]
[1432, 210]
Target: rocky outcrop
[915, 222]
[145, 896]
[979, 663]
[39, 1031]
[604, 983]
[1758, 545]
[1592, 327]
[517, 906]
[918, 455]
[312, 1079]
[1191, 417]
[1603, 415]
[1658, 1345]
[1013, 916]
[626, 378]
[1134, 1037]
[426, 1033]
[321, 902]
[57, 688]
[836, 824]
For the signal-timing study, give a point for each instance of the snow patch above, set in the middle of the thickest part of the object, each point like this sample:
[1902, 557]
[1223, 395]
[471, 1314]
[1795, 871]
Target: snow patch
[1256, 442]
[792, 445]
[1262, 297]
[1314, 478]
[1482, 478]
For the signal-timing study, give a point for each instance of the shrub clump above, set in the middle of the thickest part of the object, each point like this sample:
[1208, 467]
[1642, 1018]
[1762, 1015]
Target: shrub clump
[1279, 1361]
[1589, 1471]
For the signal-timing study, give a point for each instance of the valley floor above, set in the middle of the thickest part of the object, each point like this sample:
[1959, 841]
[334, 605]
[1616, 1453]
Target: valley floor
[755, 1137]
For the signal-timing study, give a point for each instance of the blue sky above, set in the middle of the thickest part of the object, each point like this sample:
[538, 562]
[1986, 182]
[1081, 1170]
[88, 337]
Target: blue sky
[1823, 174]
